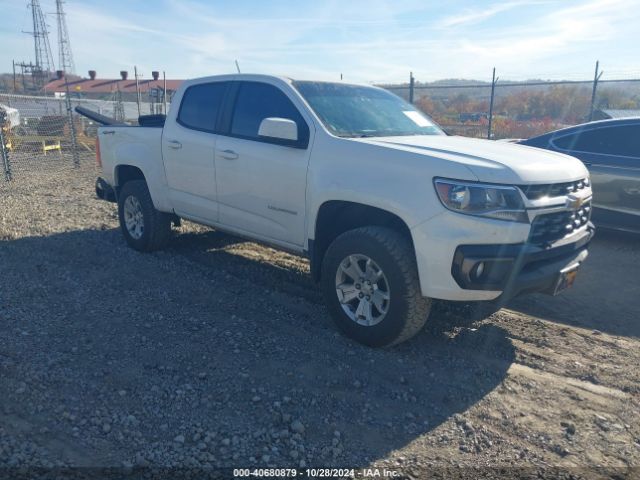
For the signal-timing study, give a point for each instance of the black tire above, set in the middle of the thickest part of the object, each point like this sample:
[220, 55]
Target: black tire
[408, 309]
[157, 225]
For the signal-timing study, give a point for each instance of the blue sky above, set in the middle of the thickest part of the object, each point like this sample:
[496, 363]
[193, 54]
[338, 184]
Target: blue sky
[367, 41]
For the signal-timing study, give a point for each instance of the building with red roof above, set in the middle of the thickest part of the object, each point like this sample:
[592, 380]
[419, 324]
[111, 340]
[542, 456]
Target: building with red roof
[104, 88]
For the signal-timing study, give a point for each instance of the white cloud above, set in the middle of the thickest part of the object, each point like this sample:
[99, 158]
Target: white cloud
[474, 16]
[559, 32]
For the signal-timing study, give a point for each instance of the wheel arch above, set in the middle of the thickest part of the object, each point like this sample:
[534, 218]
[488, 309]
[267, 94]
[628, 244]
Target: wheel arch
[125, 173]
[335, 217]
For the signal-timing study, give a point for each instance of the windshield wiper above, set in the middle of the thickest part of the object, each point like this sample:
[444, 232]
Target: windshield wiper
[357, 135]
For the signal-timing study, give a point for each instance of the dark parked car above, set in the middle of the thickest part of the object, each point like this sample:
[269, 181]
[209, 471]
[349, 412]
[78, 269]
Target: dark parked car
[611, 151]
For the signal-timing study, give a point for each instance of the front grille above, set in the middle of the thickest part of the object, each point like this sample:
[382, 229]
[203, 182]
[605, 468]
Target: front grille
[549, 227]
[535, 192]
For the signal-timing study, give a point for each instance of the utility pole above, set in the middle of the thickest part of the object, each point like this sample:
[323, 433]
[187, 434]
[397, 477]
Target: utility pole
[596, 78]
[65, 56]
[494, 80]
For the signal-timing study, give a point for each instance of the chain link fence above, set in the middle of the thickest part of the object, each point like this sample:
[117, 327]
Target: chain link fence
[521, 109]
[39, 134]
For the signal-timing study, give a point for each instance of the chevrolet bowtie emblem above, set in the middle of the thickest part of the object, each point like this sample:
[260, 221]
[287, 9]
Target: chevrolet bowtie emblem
[574, 203]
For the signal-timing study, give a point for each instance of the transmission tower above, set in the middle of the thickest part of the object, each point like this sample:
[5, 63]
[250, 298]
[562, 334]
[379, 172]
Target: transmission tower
[65, 57]
[44, 59]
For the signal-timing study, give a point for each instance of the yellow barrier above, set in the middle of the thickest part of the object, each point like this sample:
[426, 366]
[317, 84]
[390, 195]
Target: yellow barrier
[45, 143]
[54, 145]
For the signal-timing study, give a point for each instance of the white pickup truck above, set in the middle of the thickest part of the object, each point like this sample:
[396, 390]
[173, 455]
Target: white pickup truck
[390, 210]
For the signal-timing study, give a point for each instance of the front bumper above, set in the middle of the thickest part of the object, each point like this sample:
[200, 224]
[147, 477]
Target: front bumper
[520, 268]
[445, 240]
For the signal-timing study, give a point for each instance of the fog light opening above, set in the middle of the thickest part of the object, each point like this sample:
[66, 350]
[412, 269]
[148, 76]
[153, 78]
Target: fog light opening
[478, 270]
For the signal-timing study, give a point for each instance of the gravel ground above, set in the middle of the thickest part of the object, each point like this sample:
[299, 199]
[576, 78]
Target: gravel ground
[219, 353]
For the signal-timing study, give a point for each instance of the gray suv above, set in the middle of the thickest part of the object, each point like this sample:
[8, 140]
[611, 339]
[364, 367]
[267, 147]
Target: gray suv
[611, 151]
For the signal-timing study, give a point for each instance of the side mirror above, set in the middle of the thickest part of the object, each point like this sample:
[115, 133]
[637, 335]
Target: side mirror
[280, 128]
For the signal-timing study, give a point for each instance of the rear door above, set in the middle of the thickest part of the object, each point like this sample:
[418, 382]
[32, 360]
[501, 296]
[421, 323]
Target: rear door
[612, 155]
[188, 146]
[262, 181]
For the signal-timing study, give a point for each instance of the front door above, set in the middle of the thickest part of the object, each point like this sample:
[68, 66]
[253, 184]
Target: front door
[261, 183]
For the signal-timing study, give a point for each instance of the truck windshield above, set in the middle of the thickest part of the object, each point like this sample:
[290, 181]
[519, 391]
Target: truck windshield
[361, 111]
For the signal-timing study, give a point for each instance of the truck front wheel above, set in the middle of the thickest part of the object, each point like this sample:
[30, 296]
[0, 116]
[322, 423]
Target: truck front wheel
[370, 284]
[144, 228]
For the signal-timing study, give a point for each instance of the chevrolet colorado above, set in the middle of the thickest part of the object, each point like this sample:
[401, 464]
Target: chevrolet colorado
[390, 210]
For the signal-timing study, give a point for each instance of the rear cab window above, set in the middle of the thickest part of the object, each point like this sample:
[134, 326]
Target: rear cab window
[201, 105]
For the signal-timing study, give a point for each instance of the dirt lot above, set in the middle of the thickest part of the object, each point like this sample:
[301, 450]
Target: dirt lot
[218, 352]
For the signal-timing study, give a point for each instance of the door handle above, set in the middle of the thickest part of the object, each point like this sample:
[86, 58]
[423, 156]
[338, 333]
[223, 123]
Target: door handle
[174, 144]
[108, 132]
[228, 154]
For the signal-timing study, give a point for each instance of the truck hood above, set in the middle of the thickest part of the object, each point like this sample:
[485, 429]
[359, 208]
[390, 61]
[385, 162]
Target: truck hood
[491, 161]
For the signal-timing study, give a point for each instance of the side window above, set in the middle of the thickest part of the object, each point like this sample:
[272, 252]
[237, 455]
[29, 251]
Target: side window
[200, 106]
[622, 140]
[257, 101]
[566, 142]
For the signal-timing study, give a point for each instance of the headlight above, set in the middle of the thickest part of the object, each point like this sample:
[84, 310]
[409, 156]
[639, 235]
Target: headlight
[493, 201]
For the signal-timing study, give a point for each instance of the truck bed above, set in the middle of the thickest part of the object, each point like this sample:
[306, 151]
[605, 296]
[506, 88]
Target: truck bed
[132, 145]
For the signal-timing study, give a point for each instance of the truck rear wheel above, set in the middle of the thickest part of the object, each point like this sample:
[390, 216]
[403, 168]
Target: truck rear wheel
[370, 283]
[144, 228]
